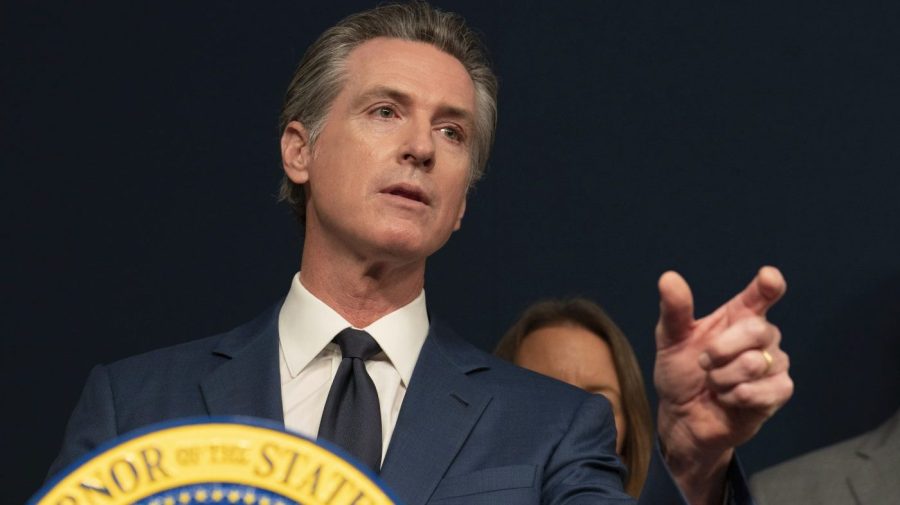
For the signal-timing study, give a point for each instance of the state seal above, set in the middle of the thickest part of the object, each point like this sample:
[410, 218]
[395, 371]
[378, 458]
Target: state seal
[226, 461]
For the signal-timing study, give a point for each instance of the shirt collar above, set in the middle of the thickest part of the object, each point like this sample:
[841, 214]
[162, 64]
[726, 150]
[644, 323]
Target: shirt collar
[306, 325]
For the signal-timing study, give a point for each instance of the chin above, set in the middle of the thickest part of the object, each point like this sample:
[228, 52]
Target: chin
[403, 242]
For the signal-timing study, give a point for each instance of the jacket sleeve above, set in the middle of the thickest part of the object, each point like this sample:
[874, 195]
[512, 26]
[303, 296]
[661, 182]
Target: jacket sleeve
[584, 468]
[92, 422]
[660, 487]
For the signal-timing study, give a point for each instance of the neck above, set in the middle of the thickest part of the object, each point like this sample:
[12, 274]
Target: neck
[361, 290]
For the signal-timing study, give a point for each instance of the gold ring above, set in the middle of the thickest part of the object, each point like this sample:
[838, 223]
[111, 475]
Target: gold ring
[769, 360]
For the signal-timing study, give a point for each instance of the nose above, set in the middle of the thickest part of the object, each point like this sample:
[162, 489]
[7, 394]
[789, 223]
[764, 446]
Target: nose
[418, 145]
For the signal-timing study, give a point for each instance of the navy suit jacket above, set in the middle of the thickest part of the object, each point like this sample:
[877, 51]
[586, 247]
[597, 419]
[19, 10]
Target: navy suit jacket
[472, 429]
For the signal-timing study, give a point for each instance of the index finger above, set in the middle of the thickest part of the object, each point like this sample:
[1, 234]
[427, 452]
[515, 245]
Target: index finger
[763, 291]
[752, 333]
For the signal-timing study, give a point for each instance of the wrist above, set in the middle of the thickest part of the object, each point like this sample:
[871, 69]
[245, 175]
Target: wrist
[699, 469]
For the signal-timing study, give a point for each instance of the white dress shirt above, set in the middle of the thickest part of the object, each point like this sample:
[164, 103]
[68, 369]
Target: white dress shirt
[309, 360]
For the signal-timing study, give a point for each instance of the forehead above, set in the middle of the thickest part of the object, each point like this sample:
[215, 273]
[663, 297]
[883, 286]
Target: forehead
[419, 69]
[572, 353]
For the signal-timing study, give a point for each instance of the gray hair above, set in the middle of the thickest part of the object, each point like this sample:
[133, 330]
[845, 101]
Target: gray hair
[320, 75]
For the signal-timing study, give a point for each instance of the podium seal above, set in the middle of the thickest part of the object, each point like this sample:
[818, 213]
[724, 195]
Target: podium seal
[209, 461]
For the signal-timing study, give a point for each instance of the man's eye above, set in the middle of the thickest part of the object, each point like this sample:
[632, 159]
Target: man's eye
[385, 112]
[451, 133]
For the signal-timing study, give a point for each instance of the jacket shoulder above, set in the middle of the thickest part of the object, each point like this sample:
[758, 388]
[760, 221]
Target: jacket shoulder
[195, 353]
[508, 382]
[816, 477]
[166, 383]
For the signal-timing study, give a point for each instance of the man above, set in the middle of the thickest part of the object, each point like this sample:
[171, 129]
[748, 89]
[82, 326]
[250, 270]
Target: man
[386, 124]
[860, 471]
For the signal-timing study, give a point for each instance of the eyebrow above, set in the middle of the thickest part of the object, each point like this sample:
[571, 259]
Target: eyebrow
[382, 92]
[403, 98]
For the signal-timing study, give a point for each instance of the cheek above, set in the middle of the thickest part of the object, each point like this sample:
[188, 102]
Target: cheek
[337, 175]
[456, 190]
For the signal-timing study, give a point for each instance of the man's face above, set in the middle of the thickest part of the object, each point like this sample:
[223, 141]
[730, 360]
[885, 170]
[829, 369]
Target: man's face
[388, 174]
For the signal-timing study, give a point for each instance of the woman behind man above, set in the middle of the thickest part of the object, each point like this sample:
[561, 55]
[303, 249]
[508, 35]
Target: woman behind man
[576, 342]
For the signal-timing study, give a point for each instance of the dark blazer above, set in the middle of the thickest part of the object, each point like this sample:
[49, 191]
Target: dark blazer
[862, 471]
[473, 429]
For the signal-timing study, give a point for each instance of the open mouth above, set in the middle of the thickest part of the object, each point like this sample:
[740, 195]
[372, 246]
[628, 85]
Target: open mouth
[407, 191]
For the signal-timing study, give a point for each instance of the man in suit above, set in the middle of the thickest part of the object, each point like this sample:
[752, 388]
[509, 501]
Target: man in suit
[861, 471]
[386, 124]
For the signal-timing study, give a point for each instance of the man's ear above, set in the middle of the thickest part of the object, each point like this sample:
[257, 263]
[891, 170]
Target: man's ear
[462, 210]
[296, 153]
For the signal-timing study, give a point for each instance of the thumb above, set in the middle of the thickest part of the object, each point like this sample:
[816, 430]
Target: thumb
[676, 310]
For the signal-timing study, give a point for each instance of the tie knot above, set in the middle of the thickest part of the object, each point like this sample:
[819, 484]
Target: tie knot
[357, 344]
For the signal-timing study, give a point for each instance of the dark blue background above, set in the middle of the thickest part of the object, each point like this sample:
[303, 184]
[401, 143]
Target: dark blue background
[140, 163]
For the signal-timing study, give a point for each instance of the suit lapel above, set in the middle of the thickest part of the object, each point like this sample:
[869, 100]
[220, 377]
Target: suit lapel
[440, 409]
[248, 382]
[872, 478]
[863, 481]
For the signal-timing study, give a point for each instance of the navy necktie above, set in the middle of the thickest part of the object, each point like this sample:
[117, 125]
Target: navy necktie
[351, 418]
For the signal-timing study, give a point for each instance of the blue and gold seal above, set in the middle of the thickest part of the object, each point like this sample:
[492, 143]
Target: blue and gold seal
[227, 461]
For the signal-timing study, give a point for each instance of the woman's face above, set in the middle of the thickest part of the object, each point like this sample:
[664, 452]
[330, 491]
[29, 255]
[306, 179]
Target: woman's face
[573, 354]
